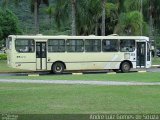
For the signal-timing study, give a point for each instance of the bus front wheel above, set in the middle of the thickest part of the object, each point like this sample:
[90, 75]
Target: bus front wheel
[58, 68]
[125, 67]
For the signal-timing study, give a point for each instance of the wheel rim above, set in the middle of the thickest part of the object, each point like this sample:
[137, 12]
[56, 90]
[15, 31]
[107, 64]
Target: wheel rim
[126, 67]
[58, 68]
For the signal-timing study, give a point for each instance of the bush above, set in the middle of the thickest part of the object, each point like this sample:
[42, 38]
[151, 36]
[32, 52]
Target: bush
[3, 56]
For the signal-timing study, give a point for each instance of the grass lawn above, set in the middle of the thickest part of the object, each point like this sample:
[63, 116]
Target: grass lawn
[139, 77]
[156, 61]
[65, 99]
[4, 67]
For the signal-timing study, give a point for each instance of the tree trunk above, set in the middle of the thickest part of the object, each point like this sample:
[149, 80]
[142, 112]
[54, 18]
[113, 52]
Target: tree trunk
[96, 27]
[103, 17]
[36, 17]
[73, 25]
[50, 20]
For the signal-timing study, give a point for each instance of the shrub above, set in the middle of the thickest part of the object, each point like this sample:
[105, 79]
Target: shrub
[3, 56]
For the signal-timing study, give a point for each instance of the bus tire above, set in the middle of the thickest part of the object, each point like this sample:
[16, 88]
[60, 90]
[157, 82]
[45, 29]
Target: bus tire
[58, 68]
[125, 67]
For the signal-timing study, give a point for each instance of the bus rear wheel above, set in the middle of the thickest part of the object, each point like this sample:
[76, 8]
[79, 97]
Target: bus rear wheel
[58, 68]
[125, 67]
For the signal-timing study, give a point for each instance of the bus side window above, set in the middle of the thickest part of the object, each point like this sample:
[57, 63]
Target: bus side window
[24, 45]
[92, 45]
[110, 45]
[127, 45]
[75, 45]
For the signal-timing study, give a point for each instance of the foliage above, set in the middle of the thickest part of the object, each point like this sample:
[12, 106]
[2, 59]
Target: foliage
[156, 60]
[158, 42]
[8, 24]
[61, 14]
[88, 15]
[130, 23]
[132, 5]
[3, 57]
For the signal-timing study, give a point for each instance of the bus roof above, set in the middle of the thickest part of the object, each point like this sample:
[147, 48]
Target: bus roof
[77, 37]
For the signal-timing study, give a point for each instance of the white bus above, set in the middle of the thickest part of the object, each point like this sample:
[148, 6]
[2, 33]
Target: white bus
[59, 53]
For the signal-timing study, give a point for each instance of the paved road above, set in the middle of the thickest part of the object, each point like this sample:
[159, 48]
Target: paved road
[77, 82]
[86, 72]
[153, 70]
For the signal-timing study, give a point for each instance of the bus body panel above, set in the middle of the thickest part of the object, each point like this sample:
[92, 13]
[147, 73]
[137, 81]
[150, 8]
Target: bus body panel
[82, 61]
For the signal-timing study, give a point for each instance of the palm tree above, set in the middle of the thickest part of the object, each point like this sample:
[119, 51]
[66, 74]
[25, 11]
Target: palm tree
[66, 10]
[35, 4]
[103, 17]
[73, 17]
[50, 11]
[132, 5]
[88, 16]
[131, 20]
[130, 23]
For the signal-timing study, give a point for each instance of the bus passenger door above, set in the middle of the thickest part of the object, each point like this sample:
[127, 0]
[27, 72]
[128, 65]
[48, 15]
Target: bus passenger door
[41, 55]
[141, 54]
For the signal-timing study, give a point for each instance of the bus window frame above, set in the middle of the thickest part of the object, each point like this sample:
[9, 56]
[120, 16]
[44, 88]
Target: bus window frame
[34, 45]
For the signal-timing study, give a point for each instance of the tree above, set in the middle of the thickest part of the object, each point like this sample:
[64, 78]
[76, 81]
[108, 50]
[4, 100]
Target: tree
[103, 17]
[131, 20]
[6, 2]
[130, 23]
[88, 17]
[132, 5]
[73, 17]
[50, 11]
[66, 10]
[35, 5]
[8, 24]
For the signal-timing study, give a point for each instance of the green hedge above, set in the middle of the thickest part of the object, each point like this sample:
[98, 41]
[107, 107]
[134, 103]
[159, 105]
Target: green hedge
[3, 56]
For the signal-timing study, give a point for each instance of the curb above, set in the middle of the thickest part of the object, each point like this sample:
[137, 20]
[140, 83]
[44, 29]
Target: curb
[33, 75]
[77, 73]
[111, 73]
[142, 71]
[155, 65]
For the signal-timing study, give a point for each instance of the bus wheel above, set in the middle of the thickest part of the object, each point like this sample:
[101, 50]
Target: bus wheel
[125, 67]
[58, 68]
